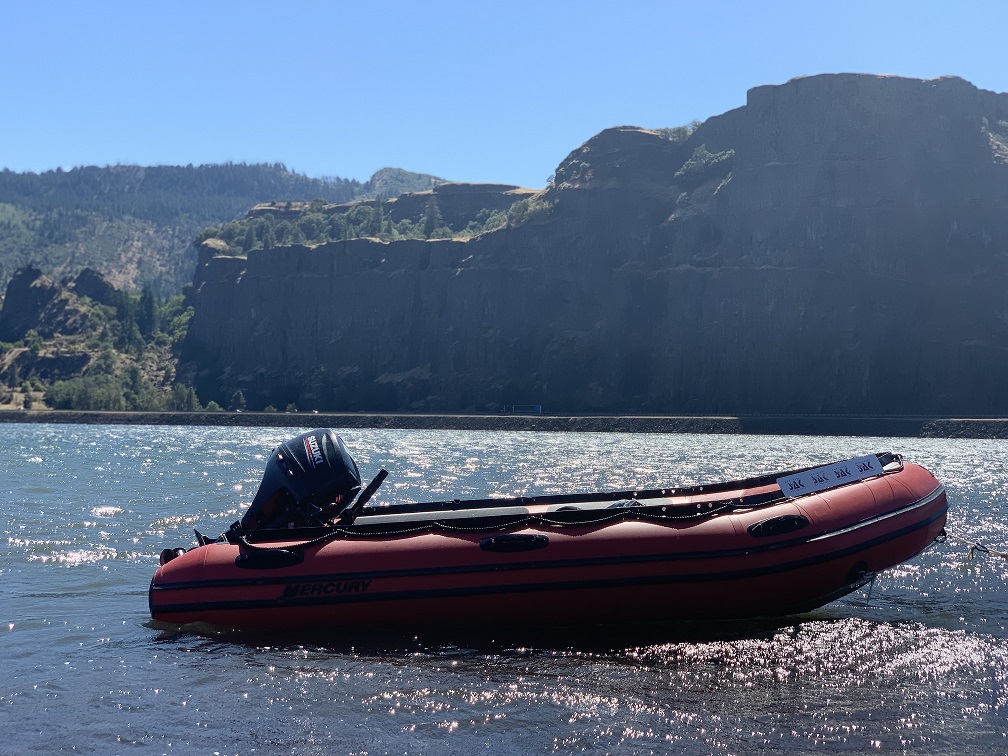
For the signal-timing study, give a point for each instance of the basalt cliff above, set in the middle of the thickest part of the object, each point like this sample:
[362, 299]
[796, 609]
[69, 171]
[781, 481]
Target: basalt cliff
[839, 244]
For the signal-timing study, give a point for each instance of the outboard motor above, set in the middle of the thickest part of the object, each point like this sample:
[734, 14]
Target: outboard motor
[308, 480]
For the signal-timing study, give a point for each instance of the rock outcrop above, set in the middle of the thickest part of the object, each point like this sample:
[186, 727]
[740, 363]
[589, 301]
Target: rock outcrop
[457, 203]
[29, 293]
[837, 245]
[37, 309]
[92, 284]
[34, 302]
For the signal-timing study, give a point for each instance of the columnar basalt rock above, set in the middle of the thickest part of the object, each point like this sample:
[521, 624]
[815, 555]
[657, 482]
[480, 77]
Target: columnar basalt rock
[839, 244]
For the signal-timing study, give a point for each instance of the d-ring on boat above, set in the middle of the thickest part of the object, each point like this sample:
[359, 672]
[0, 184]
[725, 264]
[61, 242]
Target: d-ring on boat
[311, 553]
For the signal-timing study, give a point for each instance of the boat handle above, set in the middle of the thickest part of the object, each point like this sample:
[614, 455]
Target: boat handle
[778, 526]
[514, 542]
[268, 559]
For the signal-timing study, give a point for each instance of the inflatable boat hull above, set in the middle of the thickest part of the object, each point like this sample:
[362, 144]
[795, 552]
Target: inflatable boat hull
[689, 554]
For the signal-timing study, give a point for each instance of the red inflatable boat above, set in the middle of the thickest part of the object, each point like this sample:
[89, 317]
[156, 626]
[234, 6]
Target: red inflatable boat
[309, 554]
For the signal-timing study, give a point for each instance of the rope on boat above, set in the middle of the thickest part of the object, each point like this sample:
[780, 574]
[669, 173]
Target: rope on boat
[974, 547]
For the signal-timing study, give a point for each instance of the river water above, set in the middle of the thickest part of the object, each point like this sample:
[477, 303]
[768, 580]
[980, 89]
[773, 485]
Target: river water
[917, 665]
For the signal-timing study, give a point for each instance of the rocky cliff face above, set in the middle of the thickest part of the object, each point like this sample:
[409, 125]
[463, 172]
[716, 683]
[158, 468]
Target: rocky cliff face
[837, 245]
[34, 302]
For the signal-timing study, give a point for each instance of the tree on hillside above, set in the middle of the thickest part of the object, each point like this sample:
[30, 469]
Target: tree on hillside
[432, 219]
[183, 399]
[249, 241]
[147, 314]
[269, 239]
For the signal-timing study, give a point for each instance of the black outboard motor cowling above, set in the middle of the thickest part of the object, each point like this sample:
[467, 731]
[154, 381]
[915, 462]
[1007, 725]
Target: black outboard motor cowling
[308, 480]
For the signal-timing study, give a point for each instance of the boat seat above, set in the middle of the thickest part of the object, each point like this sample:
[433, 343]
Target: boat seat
[441, 516]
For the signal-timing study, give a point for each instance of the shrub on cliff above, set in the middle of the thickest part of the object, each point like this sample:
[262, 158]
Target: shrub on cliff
[526, 210]
[703, 165]
[679, 133]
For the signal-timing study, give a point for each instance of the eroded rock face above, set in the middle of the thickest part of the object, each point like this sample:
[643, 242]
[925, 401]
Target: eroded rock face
[35, 302]
[837, 245]
[92, 284]
[28, 294]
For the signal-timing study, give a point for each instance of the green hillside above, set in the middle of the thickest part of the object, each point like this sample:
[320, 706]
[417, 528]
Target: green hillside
[136, 225]
[82, 343]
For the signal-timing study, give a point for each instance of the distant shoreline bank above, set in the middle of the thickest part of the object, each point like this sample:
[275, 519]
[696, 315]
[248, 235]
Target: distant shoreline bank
[803, 425]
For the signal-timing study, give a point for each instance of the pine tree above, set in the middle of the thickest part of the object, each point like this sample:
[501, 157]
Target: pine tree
[147, 316]
[432, 218]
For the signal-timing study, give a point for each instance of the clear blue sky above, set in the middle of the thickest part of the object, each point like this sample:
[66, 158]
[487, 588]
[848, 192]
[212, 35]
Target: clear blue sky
[473, 90]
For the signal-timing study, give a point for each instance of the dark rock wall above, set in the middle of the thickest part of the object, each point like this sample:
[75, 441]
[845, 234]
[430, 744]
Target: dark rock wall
[28, 294]
[845, 250]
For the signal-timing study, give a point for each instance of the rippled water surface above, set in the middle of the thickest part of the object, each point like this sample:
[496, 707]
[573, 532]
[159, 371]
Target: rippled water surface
[919, 665]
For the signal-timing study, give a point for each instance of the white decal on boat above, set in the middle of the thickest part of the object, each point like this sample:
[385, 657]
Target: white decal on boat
[830, 476]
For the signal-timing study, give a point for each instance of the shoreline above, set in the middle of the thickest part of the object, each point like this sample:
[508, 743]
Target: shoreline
[804, 425]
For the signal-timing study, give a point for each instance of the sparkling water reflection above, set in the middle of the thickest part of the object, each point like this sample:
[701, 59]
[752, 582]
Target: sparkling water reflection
[919, 666]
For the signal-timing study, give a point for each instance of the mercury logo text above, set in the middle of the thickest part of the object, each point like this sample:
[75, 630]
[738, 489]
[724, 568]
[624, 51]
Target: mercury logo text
[327, 588]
